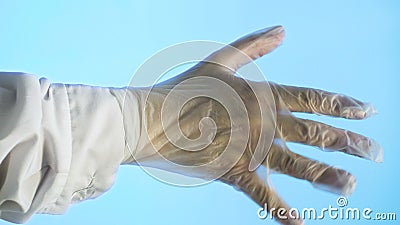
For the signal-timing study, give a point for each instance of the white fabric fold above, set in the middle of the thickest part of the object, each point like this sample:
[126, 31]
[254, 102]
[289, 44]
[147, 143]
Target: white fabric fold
[59, 144]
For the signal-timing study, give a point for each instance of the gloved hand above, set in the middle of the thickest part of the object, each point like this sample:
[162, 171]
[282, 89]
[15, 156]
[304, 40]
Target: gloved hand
[194, 125]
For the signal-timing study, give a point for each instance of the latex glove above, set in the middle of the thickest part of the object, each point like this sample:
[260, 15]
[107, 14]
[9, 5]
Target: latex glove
[194, 147]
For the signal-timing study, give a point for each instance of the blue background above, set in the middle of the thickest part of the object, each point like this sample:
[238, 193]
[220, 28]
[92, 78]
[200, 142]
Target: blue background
[343, 46]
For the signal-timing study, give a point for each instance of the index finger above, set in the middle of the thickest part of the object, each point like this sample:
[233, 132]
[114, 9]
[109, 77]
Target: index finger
[309, 100]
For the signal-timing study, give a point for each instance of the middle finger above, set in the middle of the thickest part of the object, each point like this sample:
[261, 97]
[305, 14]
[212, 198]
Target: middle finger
[326, 137]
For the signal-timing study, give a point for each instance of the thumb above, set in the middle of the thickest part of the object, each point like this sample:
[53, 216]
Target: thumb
[248, 48]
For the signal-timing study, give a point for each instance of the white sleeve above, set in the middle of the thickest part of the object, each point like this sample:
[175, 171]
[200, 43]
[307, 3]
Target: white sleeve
[59, 144]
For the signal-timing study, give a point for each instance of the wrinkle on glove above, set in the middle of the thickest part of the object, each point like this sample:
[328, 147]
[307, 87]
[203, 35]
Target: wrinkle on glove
[292, 129]
[188, 135]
